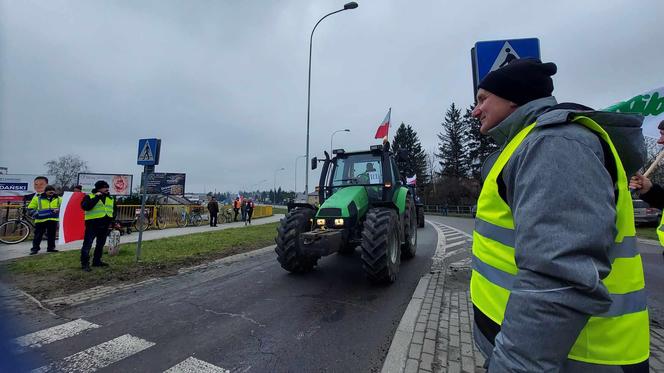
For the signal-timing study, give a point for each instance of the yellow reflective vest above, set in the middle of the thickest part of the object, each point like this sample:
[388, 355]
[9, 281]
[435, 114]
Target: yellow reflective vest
[101, 209]
[618, 337]
[660, 231]
[40, 203]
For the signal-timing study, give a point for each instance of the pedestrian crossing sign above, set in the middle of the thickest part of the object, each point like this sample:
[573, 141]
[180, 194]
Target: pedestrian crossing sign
[488, 56]
[148, 152]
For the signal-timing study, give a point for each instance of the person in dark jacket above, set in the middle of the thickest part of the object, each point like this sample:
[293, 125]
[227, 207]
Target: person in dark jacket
[99, 207]
[249, 210]
[651, 193]
[213, 209]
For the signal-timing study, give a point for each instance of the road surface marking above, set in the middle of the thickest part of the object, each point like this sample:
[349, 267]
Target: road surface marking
[99, 356]
[193, 365]
[56, 333]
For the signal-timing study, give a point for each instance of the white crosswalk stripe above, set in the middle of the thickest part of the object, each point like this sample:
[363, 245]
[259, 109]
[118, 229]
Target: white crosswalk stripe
[455, 244]
[193, 365]
[99, 356]
[54, 334]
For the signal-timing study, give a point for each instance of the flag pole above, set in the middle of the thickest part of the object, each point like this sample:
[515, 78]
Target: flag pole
[654, 164]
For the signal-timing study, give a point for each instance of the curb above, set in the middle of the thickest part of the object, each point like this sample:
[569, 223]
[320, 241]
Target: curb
[395, 361]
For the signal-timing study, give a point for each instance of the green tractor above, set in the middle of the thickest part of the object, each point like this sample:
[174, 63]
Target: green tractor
[362, 202]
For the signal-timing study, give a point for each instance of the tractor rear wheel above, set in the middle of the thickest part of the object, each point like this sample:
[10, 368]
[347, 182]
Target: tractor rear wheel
[380, 245]
[289, 253]
[409, 246]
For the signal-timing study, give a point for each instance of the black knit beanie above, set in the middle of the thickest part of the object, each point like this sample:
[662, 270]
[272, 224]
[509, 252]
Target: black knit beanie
[101, 184]
[521, 81]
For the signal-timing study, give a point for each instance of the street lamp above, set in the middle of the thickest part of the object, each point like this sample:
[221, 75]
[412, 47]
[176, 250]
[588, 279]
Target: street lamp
[332, 137]
[275, 183]
[298, 157]
[347, 6]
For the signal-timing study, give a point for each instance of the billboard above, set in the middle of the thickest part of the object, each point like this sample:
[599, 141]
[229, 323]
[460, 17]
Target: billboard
[120, 184]
[165, 183]
[14, 186]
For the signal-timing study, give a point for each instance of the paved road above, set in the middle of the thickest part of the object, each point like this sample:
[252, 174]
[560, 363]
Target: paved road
[250, 315]
[653, 266]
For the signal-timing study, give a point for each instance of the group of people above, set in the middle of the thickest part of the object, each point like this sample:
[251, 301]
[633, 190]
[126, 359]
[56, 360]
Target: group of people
[245, 206]
[99, 209]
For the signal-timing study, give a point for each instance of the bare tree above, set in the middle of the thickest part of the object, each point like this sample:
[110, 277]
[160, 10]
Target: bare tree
[65, 169]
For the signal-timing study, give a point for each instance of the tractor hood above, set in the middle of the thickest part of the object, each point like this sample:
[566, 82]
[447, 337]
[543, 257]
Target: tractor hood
[345, 203]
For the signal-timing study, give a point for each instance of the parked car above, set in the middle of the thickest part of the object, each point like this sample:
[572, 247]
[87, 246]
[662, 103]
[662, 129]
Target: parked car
[644, 214]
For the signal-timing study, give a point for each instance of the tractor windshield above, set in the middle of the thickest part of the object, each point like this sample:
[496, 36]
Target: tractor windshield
[358, 169]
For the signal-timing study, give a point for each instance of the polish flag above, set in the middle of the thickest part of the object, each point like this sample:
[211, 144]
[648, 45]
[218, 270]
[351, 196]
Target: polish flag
[72, 218]
[384, 127]
[411, 180]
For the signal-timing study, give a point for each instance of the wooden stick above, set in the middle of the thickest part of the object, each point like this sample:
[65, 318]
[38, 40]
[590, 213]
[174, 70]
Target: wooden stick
[654, 164]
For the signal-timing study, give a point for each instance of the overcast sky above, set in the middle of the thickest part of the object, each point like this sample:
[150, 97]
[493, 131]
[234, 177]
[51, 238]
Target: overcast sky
[224, 83]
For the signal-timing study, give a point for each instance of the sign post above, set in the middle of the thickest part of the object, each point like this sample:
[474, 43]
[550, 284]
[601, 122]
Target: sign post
[487, 56]
[148, 156]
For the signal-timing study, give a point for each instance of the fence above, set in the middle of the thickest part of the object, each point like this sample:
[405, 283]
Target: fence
[169, 213]
[449, 210]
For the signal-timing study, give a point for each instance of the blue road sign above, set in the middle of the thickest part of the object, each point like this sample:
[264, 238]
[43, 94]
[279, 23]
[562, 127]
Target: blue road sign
[491, 55]
[148, 152]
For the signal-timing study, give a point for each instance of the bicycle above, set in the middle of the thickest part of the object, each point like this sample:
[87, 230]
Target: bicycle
[17, 230]
[144, 221]
[226, 216]
[185, 219]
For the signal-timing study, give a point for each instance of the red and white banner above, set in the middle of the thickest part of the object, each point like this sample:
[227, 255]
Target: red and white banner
[384, 127]
[72, 218]
[411, 180]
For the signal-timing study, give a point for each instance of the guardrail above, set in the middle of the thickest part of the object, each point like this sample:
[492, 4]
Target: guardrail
[449, 210]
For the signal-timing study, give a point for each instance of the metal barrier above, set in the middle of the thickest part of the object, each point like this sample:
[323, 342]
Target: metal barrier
[129, 213]
[448, 210]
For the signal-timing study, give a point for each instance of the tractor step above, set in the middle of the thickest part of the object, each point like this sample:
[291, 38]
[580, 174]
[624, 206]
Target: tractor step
[322, 242]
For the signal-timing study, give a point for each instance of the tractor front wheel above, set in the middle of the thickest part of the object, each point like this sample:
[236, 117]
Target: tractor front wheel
[381, 255]
[289, 253]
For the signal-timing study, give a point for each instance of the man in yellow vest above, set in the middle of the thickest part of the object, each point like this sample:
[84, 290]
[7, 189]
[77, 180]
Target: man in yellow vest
[45, 208]
[99, 207]
[651, 193]
[557, 281]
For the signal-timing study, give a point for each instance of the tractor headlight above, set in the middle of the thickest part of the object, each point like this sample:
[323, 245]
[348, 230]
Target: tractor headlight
[320, 222]
[339, 222]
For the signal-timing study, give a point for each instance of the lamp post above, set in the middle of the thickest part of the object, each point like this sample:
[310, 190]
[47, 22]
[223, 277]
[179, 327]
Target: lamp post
[275, 184]
[332, 137]
[296, 158]
[347, 6]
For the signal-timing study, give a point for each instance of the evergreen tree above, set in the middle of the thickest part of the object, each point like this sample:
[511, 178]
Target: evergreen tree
[406, 139]
[479, 146]
[451, 151]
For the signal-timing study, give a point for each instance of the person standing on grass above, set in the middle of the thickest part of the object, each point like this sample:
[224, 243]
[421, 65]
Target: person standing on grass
[236, 207]
[99, 207]
[45, 208]
[243, 209]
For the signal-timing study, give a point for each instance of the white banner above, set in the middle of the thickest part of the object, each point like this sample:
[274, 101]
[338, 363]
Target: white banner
[650, 105]
[14, 186]
[119, 184]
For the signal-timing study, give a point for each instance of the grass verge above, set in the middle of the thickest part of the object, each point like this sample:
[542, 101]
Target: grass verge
[53, 275]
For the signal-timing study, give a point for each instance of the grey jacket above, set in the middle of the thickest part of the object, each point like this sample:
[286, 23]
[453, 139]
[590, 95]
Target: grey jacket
[563, 202]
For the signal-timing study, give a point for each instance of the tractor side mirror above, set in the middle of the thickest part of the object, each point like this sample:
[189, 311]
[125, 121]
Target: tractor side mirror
[314, 163]
[402, 156]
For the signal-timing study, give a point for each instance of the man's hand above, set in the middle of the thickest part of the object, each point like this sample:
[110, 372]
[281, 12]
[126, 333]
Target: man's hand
[640, 183]
[98, 194]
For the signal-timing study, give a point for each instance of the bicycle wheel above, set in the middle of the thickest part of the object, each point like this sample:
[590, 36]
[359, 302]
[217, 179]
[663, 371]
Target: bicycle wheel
[142, 223]
[14, 231]
[196, 220]
[181, 219]
[161, 222]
